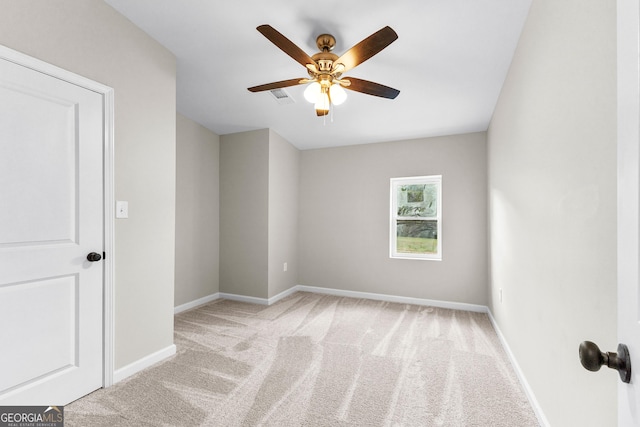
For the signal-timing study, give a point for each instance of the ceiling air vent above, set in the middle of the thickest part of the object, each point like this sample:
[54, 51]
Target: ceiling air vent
[282, 97]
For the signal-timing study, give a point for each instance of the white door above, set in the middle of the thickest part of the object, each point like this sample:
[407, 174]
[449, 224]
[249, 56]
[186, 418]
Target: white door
[628, 205]
[51, 218]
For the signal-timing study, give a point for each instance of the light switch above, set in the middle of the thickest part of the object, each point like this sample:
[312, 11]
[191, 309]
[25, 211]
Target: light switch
[122, 209]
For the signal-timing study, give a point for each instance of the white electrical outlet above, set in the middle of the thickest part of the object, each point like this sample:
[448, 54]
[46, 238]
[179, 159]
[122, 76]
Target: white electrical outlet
[284, 268]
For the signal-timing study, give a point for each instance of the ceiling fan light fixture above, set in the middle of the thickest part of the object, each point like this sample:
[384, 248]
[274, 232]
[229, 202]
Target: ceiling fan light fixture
[312, 92]
[325, 68]
[338, 94]
[322, 104]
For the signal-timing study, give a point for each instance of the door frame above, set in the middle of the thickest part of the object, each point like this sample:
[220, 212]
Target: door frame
[108, 315]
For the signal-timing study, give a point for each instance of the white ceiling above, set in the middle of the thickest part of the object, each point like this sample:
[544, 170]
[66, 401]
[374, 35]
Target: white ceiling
[449, 63]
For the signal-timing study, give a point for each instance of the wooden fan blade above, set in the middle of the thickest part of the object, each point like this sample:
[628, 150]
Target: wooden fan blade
[286, 45]
[367, 48]
[371, 88]
[277, 85]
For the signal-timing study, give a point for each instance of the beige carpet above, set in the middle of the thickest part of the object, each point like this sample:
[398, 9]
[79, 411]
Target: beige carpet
[317, 360]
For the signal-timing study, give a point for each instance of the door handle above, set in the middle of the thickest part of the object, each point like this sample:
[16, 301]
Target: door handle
[592, 359]
[93, 257]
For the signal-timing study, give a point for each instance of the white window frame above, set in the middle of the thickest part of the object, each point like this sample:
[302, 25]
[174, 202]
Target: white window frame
[394, 217]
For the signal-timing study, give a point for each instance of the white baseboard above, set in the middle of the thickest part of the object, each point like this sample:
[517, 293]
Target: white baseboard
[356, 294]
[196, 303]
[256, 300]
[542, 419]
[145, 362]
[282, 295]
[393, 298]
[244, 298]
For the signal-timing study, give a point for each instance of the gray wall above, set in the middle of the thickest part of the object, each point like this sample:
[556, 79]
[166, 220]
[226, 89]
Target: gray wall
[244, 213]
[284, 161]
[552, 185]
[344, 218]
[258, 214]
[89, 38]
[197, 211]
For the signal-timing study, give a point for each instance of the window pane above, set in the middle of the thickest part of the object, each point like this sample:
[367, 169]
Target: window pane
[417, 200]
[419, 237]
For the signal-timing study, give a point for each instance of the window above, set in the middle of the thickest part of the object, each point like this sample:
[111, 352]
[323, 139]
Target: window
[416, 217]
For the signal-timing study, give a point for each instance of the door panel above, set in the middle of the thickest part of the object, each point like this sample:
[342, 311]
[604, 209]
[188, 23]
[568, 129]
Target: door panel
[628, 205]
[47, 171]
[51, 217]
[58, 335]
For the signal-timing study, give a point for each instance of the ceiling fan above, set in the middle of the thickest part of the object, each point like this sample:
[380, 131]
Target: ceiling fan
[326, 68]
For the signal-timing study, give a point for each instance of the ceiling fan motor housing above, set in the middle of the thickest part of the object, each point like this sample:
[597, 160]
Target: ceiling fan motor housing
[325, 61]
[325, 42]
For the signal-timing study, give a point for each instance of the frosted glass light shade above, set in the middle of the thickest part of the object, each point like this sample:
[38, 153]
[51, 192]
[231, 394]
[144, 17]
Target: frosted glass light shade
[338, 94]
[312, 92]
